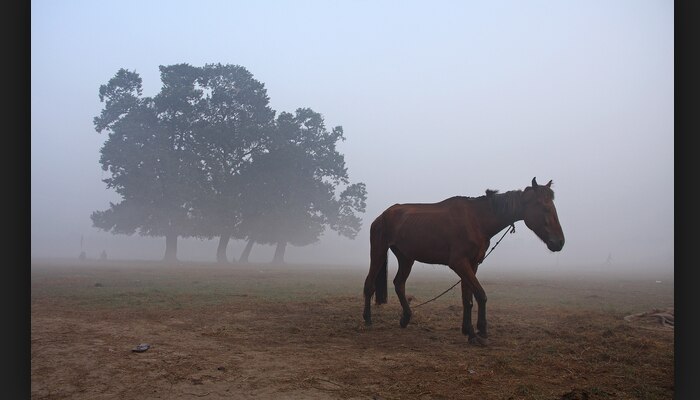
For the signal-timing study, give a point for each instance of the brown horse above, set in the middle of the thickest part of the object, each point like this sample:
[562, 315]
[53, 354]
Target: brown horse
[455, 232]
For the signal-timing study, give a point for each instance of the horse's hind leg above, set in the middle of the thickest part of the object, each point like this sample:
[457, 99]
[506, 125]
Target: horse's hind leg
[369, 292]
[376, 281]
[405, 265]
[377, 266]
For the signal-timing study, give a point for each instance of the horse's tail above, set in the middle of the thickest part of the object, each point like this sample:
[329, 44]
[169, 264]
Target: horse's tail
[381, 283]
[378, 254]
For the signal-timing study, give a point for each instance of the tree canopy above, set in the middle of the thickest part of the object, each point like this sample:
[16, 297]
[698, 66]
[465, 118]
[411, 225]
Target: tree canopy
[290, 195]
[148, 153]
[206, 157]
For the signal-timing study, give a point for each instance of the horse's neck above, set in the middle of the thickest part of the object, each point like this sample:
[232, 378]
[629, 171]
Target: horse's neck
[498, 225]
[501, 226]
[505, 216]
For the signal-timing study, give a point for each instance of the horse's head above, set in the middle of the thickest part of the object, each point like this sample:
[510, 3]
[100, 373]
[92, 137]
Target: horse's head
[540, 215]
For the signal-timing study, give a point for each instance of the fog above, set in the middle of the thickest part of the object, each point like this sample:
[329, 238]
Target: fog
[436, 99]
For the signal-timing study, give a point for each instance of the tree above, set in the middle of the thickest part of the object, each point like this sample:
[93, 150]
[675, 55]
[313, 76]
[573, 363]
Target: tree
[290, 188]
[206, 157]
[176, 158]
[235, 118]
[149, 153]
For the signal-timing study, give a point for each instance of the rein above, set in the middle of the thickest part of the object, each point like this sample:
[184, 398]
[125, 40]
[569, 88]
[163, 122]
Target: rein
[512, 230]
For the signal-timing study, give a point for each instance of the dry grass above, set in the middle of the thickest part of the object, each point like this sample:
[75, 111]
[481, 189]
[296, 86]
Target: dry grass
[296, 332]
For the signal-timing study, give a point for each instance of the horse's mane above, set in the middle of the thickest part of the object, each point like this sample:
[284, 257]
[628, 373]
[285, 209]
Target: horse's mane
[507, 203]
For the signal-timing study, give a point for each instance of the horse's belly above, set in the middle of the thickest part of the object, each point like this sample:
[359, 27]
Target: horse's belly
[434, 260]
[427, 251]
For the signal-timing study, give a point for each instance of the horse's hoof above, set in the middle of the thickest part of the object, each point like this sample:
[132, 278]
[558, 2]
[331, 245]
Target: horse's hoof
[405, 320]
[368, 322]
[478, 340]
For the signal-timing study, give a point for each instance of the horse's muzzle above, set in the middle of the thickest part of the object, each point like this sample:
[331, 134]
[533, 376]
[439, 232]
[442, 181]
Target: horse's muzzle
[555, 244]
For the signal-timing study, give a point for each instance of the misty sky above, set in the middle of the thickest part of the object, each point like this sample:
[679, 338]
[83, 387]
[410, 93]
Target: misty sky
[436, 99]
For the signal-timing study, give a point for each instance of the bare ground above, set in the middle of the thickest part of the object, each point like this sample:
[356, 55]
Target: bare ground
[258, 332]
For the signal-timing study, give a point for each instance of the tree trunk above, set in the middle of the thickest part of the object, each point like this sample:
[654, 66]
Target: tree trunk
[246, 252]
[170, 248]
[221, 250]
[279, 253]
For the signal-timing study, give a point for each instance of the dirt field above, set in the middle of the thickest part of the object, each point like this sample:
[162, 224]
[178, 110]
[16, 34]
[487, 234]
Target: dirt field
[296, 332]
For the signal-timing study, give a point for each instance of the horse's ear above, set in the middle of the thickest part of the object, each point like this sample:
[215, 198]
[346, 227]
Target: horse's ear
[534, 183]
[549, 183]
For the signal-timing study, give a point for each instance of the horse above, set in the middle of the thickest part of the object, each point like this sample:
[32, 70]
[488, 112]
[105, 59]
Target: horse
[455, 232]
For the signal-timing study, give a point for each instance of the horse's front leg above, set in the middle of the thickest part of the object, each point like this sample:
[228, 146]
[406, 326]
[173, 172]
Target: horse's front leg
[481, 315]
[367, 313]
[481, 319]
[471, 286]
[467, 304]
[480, 296]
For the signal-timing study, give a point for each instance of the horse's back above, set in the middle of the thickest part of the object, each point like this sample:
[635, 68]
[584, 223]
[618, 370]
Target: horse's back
[422, 213]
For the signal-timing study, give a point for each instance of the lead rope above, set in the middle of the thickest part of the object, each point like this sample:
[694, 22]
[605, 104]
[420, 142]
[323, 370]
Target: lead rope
[512, 230]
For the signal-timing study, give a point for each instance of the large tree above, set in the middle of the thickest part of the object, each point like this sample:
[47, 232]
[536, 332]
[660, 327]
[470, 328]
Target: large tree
[150, 155]
[176, 158]
[235, 120]
[299, 186]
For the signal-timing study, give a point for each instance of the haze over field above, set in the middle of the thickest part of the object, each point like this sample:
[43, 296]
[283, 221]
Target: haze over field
[435, 99]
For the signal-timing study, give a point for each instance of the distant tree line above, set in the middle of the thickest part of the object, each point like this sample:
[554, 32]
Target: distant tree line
[208, 158]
